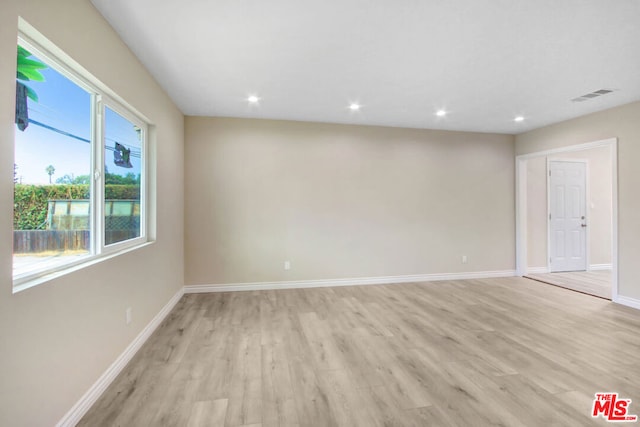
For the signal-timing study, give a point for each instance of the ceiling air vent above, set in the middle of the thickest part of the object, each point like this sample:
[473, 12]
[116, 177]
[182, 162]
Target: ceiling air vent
[592, 95]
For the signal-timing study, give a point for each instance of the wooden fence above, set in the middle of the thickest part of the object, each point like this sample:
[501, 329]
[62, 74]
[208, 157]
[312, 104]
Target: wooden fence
[36, 241]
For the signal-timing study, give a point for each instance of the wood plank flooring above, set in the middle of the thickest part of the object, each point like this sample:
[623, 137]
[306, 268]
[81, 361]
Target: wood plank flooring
[503, 352]
[596, 283]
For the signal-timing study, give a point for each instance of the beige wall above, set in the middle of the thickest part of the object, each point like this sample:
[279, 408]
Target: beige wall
[56, 339]
[621, 122]
[342, 201]
[599, 205]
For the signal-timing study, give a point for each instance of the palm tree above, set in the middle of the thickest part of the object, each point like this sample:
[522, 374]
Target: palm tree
[50, 171]
[29, 70]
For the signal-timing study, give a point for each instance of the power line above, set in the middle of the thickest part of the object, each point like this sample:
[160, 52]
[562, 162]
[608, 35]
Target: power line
[79, 138]
[121, 143]
[70, 135]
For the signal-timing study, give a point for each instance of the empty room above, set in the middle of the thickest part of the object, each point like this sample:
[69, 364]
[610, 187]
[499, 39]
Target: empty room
[241, 213]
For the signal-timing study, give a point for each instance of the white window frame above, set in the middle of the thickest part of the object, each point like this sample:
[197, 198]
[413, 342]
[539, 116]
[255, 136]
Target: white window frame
[104, 102]
[101, 97]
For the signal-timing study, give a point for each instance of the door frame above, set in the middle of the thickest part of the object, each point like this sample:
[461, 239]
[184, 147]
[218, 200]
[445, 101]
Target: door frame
[521, 204]
[586, 209]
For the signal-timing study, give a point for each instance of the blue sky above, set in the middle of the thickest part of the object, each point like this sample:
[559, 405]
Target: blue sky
[65, 106]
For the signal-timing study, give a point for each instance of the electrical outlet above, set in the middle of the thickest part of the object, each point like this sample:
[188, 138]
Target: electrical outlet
[287, 265]
[464, 259]
[128, 315]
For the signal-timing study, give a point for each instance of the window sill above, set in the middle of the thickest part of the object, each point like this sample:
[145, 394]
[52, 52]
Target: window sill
[28, 281]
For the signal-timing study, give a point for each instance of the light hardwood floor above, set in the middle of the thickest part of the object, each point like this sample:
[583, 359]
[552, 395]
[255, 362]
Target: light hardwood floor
[458, 353]
[596, 283]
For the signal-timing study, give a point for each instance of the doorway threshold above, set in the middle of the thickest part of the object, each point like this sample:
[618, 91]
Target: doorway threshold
[596, 283]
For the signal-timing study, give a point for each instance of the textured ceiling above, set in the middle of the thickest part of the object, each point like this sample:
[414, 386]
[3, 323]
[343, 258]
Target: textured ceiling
[483, 61]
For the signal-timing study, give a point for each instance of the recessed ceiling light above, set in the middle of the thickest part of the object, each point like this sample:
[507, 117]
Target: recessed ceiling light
[253, 99]
[441, 113]
[354, 106]
[518, 119]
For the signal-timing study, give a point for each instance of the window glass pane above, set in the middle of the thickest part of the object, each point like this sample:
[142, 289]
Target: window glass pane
[52, 166]
[122, 183]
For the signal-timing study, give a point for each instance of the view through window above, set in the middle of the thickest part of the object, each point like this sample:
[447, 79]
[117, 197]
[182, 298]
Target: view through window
[52, 166]
[67, 206]
[122, 178]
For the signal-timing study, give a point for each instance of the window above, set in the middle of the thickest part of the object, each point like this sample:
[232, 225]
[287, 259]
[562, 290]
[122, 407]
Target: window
[79, 168]
[123, 177]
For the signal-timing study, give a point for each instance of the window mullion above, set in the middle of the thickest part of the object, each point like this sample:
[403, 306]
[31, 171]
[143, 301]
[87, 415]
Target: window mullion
[97, 196]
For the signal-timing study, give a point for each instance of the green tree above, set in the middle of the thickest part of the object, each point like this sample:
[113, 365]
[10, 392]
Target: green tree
[73, 180]
[67, 179]
[50, 171]
[28, 70]
[128, 179]
[81, 180]
[109, 179]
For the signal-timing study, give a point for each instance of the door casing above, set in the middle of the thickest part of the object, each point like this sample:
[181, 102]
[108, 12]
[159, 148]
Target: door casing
[521, 206]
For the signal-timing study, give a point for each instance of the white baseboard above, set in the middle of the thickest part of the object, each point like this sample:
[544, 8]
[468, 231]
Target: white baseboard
[537, 270]
[257, 286]
[595, 267]
[629, 302]
[76, 413]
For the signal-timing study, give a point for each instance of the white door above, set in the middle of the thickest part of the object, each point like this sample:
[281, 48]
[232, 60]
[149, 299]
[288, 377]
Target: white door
[567, 216]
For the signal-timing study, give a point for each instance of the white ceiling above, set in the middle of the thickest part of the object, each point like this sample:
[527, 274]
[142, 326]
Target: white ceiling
[484, 61]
